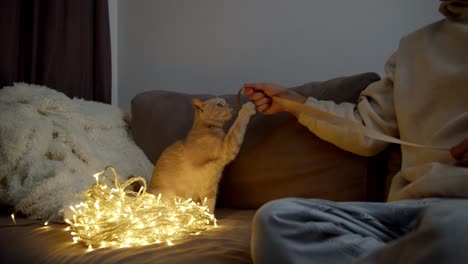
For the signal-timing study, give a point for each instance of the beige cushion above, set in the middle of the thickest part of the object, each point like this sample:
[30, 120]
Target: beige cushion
[279, 157]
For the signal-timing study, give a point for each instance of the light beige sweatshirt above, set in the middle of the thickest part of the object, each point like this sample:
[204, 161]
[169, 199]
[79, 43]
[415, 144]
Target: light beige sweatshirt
[423, 99]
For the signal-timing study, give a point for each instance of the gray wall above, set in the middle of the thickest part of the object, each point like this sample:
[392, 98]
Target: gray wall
[214, 46]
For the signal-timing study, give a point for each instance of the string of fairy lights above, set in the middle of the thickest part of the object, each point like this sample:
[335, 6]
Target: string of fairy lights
[113, 215]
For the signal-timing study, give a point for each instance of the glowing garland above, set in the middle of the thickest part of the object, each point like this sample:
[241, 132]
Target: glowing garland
[116, 217]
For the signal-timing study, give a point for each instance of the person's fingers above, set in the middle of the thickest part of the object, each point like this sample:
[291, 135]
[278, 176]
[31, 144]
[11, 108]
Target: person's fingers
[264, 87]
[257, 96]
[263, 104]
[248, 91]
[250, 88]
[262, 101]
[460, 150]
[263, 108]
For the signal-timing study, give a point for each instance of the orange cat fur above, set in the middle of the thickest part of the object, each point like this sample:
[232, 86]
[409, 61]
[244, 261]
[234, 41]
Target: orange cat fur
[192, 168]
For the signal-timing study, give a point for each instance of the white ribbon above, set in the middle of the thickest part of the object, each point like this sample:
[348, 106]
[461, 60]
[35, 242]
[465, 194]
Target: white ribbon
[339, 121]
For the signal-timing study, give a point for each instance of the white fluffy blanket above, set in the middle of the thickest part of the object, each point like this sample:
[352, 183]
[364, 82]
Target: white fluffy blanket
[51, 145]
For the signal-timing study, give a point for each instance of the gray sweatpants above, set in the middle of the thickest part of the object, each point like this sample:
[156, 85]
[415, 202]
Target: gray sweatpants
[297, 230]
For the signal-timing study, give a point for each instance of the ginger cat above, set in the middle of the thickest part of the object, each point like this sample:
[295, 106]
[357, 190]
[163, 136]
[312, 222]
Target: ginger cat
[192, 168]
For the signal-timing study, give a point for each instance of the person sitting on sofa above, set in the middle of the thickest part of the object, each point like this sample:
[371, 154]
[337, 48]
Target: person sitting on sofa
[422, 99]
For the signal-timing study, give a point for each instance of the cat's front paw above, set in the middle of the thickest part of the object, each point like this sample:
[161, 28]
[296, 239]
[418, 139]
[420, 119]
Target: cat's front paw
[248, 109]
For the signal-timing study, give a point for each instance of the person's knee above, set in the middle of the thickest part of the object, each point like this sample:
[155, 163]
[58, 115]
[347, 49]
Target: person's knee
[270, 211]
[280, 216]
[446, 223]
[271, 222]
[274, 210]
[446, 214]
[265, 242]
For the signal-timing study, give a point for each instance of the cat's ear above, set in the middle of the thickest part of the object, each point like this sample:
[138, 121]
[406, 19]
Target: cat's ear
[197, 104]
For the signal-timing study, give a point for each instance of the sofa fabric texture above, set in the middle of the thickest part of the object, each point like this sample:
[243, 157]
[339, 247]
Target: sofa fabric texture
[278, 158]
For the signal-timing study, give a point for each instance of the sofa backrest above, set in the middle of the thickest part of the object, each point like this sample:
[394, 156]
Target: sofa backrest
[279, 157]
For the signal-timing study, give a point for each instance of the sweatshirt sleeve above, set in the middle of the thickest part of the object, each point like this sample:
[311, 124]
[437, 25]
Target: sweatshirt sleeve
[374, 109]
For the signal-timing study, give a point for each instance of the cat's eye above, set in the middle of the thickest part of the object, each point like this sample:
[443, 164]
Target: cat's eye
[219, 105]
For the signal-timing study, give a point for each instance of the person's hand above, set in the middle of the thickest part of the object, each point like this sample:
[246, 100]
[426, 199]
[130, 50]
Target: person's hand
[460, 153]
[260, 94]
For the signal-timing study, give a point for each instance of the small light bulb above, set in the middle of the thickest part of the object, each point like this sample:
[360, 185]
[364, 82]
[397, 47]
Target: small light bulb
[137, 219]
[13, 218]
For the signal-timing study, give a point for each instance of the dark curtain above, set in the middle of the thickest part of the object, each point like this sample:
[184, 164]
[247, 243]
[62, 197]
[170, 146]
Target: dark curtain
[63, 44]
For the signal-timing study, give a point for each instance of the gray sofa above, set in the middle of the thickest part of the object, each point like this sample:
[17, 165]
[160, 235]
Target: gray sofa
[279, 158]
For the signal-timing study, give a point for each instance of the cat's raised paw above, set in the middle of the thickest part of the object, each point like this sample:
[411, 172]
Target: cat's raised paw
[248, 108]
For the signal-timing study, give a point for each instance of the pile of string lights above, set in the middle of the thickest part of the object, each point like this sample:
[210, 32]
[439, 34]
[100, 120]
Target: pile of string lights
[116, 216]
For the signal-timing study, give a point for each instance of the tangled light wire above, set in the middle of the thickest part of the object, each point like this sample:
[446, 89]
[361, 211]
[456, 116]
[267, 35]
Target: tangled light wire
[119, 217]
